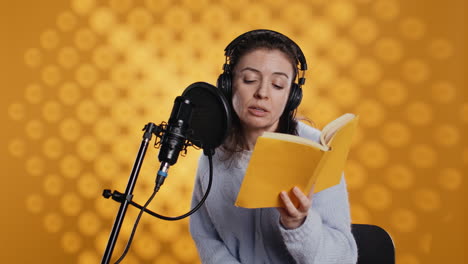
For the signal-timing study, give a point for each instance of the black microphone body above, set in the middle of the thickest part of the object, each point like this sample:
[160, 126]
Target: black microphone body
[173, 140]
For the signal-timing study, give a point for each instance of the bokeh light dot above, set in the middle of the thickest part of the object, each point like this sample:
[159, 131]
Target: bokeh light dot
[412, 28]
[121, 37]
[16, 111]
[371, 113]
[88, 148]
[34, 129]
[427, 199]
[345, 92]
[440, 49]
[140, 19]
[165, 231]
[52, 111]
[66, 21]
[366, 71]
[88, 256]
[364, 30]
[392, 92]
[70, 129]
[377, 197]
[35, 165]
[17, 147]
[68, 57]
[70, 166]
[296, 12]
[447, 135]
[71, 204]
[85, 39]
[49, 39]
[71, 242]
[33, 93]
[386, 9]
[450, 179]
[343, 51]
[185, 245]
[423, 156]
[178, 18]
[86, 75]
[82, 7]
[106, 209]
[88, 185]
[388, 50]
[34, 203]
[104, 57]
[403, 220]
[322, 31]
[341, 12]
[399, 176]
[53, 222]
[415, 70]
[419, 113]
[102, 19]
[52, 148]
[53, 185]
[443, 92]
[356, 175]
[105, 130]
[87, 111]
[106, 167]
[89, 223]
[373, 154]
[395, 133]
[33, 57]
[147, 247]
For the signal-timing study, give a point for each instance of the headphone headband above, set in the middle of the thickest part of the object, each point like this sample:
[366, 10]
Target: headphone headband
[231, 46]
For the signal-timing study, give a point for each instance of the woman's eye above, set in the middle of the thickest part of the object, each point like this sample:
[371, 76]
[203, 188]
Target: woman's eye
[277, 86]
[249, 81]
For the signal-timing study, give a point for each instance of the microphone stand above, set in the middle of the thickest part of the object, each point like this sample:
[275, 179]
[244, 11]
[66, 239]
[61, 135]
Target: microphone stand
[149, 129]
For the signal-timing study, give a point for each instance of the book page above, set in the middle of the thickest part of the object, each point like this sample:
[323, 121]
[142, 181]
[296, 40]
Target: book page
[295, 139]
[330, 129]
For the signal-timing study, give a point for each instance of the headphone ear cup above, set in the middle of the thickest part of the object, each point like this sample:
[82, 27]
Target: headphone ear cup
[295, 97]
[224, 83]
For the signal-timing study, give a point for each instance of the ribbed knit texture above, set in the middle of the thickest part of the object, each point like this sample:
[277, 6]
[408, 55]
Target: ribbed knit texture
[225, 233]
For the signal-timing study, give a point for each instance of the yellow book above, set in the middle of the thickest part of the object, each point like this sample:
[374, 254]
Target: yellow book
[281, 161]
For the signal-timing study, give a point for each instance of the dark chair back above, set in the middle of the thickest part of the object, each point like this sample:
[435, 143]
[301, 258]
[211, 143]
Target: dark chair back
[374, 244]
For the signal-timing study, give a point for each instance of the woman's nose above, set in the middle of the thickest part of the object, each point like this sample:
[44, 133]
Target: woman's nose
[262, 91]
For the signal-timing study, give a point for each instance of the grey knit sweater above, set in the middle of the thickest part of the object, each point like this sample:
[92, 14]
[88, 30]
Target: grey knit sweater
[225, 233]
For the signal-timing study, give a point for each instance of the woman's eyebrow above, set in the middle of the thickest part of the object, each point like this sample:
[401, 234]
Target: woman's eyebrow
[257, 71]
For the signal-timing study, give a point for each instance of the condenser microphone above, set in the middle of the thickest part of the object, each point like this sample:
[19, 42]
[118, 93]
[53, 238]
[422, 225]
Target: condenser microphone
[201, 116]
[175, 137]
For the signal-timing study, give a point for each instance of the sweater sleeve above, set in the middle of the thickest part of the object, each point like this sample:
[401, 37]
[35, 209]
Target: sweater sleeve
[325, 236]
[210, 246]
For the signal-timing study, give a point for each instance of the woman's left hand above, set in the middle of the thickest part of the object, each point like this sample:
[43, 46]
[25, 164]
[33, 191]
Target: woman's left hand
[292, 217]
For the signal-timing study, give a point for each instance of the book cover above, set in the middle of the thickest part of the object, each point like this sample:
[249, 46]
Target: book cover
[281, 161]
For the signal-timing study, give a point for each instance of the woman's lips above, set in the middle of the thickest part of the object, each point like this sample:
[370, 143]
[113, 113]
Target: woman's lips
[257, 111]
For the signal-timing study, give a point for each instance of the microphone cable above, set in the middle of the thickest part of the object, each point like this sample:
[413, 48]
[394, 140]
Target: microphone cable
[209, 153]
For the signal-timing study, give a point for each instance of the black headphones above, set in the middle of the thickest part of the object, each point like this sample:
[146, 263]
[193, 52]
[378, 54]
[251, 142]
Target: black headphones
[225, 80]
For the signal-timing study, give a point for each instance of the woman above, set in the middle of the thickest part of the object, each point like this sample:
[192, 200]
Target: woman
[262, 68]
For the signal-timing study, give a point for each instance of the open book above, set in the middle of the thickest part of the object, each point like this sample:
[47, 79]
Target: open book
[281, 161]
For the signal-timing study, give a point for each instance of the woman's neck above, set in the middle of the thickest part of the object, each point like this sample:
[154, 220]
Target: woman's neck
[251, 137]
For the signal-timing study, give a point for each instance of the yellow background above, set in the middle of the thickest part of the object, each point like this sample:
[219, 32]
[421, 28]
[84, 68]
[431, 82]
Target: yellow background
[79, 79]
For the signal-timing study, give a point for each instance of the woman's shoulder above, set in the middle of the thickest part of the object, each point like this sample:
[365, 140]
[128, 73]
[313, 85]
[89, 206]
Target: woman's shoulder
[308, 132]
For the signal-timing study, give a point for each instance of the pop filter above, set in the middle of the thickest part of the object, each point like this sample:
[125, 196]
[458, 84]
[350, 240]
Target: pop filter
[211, 116]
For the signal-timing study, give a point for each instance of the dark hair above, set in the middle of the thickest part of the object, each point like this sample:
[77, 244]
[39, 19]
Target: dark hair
[269, 40]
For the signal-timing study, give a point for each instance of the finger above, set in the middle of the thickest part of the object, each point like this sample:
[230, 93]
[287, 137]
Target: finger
[288, 205]
[304, 201]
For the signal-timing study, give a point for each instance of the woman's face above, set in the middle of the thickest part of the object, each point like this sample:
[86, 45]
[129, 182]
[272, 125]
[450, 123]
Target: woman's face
[261, 84]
